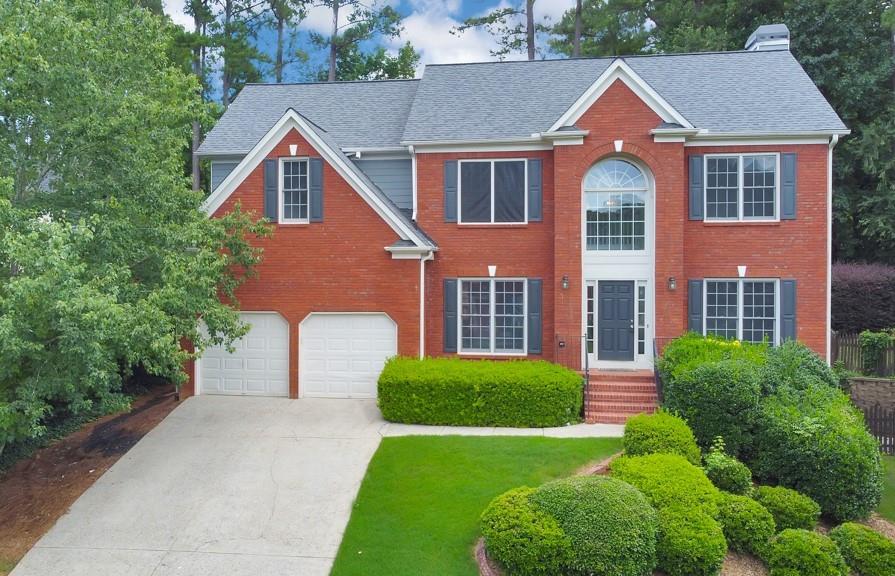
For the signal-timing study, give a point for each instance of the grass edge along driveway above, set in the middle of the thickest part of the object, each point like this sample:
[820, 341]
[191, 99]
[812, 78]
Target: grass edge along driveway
[417, 512]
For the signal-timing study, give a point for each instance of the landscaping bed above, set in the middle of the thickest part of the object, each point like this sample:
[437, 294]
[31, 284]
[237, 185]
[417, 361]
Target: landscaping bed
[39, 489]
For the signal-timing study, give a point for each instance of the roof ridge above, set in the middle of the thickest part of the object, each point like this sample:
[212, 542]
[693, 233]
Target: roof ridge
[621, 57]
[326, 83]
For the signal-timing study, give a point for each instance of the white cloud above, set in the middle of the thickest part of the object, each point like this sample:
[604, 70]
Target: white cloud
[553, 8]
[174, 9]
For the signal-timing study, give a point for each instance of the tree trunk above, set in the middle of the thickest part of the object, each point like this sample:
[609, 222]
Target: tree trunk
[576, 39]
[333, 45]
[197, 129]
[279, 63]
[225, 73]
[530, 28]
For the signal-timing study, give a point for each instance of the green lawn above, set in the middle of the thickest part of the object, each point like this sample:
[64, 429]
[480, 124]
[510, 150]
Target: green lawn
[887, 506]
[418, 508]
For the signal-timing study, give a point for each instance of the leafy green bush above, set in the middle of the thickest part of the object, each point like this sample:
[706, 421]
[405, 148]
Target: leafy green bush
[459, 392]
[726, 472]
[795, 365]
[873, 346]
[691, 543]
[660, 433]
[866, 552]
[789, 508]
[523, 538]
[801, 552]
[682, 355]
[718, 399]
[668, 480]
[747, 525]
[611, 525]
[815, 441]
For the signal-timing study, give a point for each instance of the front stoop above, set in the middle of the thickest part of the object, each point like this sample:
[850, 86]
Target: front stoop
[615, 396]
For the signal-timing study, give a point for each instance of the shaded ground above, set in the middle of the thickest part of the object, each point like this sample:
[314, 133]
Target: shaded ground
[36, 491]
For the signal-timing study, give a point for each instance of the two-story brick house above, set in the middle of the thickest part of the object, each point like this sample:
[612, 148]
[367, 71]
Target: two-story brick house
[580, 211]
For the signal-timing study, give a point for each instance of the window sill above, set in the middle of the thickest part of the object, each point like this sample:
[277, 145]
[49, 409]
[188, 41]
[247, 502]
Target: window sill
[294, 223]
[741, 222]
[491, 355]
[494, 224]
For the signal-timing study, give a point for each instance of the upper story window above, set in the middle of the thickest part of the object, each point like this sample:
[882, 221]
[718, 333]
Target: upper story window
[741, 187]
[493, 192]
[615, 193]
[293, 190]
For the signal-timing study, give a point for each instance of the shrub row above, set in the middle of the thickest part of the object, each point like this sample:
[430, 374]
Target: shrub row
[456, 392]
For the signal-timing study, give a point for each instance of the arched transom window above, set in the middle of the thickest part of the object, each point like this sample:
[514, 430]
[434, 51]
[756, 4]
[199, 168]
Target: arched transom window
[615, 195]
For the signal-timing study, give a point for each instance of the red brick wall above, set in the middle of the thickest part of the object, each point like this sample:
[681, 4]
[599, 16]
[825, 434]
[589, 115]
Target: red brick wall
[338, 265]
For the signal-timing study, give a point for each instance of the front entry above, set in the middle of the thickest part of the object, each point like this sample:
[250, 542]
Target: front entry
[615, 320]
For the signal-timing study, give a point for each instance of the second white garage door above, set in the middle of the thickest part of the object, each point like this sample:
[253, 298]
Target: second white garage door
[341, 355]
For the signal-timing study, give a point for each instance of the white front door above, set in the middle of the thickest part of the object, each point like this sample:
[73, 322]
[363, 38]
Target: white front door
[342, 354]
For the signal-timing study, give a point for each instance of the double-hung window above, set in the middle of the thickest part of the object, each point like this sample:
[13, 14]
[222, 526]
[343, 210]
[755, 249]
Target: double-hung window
[293, 195]
[493, 192]
[745, 310]
[742, 187]
[492, 316]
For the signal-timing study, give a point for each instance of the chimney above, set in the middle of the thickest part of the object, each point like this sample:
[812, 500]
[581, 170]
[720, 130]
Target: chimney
[769, 37]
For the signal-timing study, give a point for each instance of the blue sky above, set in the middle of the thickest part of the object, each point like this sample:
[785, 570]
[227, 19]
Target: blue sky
[427, 25]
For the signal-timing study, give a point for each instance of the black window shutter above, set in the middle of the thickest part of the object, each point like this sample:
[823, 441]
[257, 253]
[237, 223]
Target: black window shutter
[450, 190]
[788, 186]
[271, 189]
[787, 310]
[535, 190]
[315, 189]
[450, 314]
[534, 315]
[694, 306]
[697, 188]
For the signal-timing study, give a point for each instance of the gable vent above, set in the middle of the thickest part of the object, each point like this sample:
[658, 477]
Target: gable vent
[769, 37]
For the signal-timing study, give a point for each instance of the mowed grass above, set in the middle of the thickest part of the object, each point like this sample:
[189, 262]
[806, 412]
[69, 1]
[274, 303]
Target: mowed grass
[417, 512]
[887, 506]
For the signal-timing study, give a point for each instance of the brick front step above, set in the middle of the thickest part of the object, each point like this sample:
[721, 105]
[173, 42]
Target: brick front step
[615, 396]
[639, 376]
[624, 397]
[621, 388]
[621, 407]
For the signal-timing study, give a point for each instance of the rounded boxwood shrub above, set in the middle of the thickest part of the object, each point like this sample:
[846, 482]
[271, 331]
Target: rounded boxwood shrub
[611, 525]
[726, 472]
[747, 525]
[660, 433]
[718, 399]
[690, 543]
[801, 552]
[523, 538]
[789, 508]
[865, 551]
[668, 480]
[458, 392]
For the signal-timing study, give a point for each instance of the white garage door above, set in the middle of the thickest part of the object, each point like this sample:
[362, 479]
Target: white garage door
[259, 365]
[341, 355]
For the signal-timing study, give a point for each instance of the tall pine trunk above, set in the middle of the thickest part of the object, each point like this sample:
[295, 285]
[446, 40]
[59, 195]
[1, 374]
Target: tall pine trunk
[333, 42]
[279, 63]
[225, 74]
[530, 28]
[197, 129]
[576, 39]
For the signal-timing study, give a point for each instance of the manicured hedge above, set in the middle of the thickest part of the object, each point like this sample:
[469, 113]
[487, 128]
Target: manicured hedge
[866, 552]
[691, 542]
[789, 508]
[611, 525]
[668, 480]
[747, 525]
[863, 297]
[456, 392]
[660, 433]
[800, 553]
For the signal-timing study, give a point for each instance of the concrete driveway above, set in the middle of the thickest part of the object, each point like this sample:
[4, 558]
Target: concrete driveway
[223, 486]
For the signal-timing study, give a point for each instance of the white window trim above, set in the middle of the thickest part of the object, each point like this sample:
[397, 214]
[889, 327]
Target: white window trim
[491, 316]
[740, 180]
[491, 161]
[280, 184]
[739, 318]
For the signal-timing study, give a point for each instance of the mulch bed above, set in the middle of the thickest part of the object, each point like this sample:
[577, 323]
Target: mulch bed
[36, 491]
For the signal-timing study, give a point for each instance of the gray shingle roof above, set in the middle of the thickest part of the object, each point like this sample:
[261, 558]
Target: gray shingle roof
[356, 114]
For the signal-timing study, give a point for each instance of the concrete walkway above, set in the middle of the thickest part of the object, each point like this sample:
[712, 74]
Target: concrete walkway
[233, 486]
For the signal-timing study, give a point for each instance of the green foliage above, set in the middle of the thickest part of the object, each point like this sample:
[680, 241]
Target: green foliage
[682, 355]
[524, 539]
[660, 433]
[608, 28]
[800, 552]
[726, 472]
[873, 346]
[789, 508]
[690, 543]
[815, 441]
[514, 30]
[611, 525]
[668, 480]
[460, 392]
[377, 64]
[747, 525]
[795, 365]
[865, 551]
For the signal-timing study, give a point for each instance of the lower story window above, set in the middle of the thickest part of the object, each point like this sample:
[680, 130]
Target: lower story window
[492, 316]
[742, 309]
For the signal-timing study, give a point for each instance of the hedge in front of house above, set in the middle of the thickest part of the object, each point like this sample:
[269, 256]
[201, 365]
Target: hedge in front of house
[457, 392]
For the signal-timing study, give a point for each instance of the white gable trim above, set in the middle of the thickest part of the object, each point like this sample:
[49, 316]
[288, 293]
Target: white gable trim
[291, 119]
[619, 70]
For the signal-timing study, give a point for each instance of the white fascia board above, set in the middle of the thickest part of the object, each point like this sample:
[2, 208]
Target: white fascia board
[705, 138]
[619, 70]
[410, 252]
[291, 119]
[483, 146]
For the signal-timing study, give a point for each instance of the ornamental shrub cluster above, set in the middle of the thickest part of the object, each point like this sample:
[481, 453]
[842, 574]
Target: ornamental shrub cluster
[866, 552]
[691, 542]
[726, 472]
[747, 525]
[800, 552]
[789, 508]
[661, 432]
[457, 392]
[854, 285]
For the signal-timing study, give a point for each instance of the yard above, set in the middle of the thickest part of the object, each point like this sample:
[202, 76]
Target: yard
[418, 508]
[887, 506]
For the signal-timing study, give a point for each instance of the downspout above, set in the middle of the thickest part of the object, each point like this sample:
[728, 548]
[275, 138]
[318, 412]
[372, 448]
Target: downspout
[413, 178]
[834, 139]
[423, 260]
